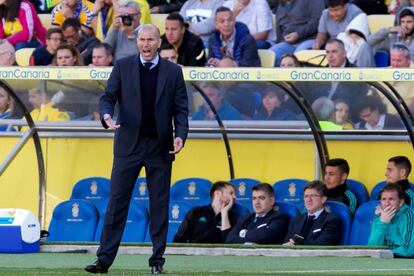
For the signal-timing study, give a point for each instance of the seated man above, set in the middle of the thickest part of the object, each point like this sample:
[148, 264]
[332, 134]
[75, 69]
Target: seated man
[336, 173]
[79, 10]
[334, 20]
[43, 55]
[265, 226]
[393, 226]
[224, 110]
[168, 52]
[397, 172]
[72, 35]
[296, 25]
[122, 35]
[257, 16]
[189, 47]
[43, 107]
[203, 224]
[373, 115]
[402, 33]
[102, 55]
[316, 226]
[231, 39]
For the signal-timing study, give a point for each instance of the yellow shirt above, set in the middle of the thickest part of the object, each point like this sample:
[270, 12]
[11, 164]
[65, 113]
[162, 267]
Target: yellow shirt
[47, 112]
[85, 14]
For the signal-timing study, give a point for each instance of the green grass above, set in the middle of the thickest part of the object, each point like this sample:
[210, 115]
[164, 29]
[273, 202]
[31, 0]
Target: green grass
[72, 264]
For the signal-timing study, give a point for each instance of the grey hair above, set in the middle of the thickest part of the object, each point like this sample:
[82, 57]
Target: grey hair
[147, 27]
[131, 4]
[323, 108]
[401, 48]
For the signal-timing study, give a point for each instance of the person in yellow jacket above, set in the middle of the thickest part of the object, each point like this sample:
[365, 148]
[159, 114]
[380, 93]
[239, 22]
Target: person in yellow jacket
[104, 11]
[43, 109]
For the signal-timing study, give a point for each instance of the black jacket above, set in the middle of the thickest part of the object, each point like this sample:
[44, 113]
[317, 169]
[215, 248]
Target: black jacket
[191, 52]
[269, 229]
[201, 225]
[326, 230]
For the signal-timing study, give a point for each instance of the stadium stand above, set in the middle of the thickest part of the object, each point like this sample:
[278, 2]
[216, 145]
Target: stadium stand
[23, 56]
[46, 19]
[361, 225]
[244, 190]
[312, 57]
[341, 211]
[382, 58]
[286, 208]
[290, 190]
[158, 19]
[267, 58]
[73, 220]
[140, 194]
[379, 21]
[359, 190]
[177, 212]
[191, 190]
[93, 189]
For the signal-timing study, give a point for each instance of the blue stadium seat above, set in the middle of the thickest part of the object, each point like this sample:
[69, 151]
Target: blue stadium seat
[382, 58]
[244, 191]
[140, 193]
[286, 208]
[93, 189]
[378, 187]
[341, 211]
[359, 190]
[73, 220]
[135, 227]
[191, 190]
[361, 226]
[177, 212]
[137, 223]
[290, 190]
[240, 210]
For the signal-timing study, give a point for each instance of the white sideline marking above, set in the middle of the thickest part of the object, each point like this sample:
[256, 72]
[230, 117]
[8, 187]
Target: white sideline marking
[343, 270]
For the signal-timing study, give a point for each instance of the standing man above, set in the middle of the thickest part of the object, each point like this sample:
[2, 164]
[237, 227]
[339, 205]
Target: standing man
[152, 97]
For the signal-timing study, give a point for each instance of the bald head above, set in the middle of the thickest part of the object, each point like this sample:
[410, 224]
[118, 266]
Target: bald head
[148, 42]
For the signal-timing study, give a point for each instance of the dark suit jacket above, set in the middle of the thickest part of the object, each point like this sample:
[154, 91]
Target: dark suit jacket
[171, 105]
[269, 229]
[326, 230]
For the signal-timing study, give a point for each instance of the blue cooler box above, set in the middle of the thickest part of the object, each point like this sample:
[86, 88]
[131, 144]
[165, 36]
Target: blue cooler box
[19, 231]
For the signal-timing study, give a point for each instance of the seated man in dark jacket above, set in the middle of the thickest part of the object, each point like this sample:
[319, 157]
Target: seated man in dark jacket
[316, 226]
[203, 224]
[265, 226]
[231, 39]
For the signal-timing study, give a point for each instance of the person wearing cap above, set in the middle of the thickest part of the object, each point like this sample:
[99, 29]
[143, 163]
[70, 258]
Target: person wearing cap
[402, 33]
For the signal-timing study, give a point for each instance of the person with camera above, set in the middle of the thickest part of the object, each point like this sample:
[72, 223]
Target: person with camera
[123, 32]
[316, 226]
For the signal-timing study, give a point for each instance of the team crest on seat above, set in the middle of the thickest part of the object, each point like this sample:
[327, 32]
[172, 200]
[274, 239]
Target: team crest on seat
[292, 189]
[191, 188]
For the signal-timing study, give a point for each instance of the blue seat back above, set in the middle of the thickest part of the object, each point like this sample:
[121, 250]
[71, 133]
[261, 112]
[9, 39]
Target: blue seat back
[240, 210]
[177, 212]
[361, 226]
[286, 208]
[140, 193]
[135, 227]
[290, 190]
[375, 192]
[244, 191]
[382, 58]
[93, 189]
[137, 223]
[359, 190]
[73, 220]
[191, 190]
[341, 211]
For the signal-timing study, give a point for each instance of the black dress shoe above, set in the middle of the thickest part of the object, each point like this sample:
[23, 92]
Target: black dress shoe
[97, 267]
[157, 269]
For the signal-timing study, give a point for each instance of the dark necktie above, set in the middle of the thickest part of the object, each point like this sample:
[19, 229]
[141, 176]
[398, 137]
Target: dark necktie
[307, 226]
[148, 65]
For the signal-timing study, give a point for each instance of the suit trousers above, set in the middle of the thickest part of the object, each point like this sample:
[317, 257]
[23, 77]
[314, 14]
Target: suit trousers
[125, 171]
